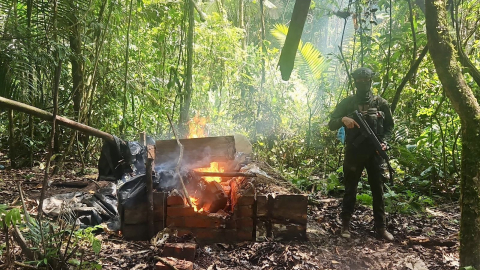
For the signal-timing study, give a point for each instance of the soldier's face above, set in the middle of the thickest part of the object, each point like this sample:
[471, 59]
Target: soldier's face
[363, 85]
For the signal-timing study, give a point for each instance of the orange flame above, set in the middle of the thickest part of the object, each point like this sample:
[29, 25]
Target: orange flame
[213, 168]
[195, 204]
[196, 127]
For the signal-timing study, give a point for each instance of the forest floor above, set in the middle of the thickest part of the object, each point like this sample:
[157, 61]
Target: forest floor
[427, 240]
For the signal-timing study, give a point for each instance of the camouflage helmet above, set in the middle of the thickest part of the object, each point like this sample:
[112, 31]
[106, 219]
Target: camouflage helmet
[363, 73]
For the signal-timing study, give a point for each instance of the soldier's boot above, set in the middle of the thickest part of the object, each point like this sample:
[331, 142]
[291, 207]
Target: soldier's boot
[383, 233]
[345, 233]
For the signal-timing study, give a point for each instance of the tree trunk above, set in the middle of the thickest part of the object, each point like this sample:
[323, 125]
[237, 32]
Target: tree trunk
[99, 42]
[295, 30]
[123, 125]
[187, 95]
[31, 70]
[55, 87]
[11, 136]
[465, 104]
[262, 40]
[76, 60]
[411, 71]
[241, 21]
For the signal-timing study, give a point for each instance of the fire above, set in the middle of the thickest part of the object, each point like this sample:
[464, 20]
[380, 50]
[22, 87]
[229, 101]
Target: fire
[196, 127]
[195, 202]
[214, 167]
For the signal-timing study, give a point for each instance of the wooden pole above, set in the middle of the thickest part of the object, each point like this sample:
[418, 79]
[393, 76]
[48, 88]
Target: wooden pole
[142, 138]
[22, 107]
[179, 162]
[151, 227]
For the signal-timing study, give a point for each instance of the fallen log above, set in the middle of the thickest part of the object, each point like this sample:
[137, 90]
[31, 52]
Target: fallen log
[22, 107]
[430, 242]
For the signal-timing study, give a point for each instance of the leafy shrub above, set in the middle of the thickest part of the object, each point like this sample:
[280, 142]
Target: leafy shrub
[407, 202]
[365, 199]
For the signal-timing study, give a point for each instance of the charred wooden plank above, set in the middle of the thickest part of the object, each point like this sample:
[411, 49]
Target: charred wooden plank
[290, 207]
[198, 152]
[225, 174]
[214, 197]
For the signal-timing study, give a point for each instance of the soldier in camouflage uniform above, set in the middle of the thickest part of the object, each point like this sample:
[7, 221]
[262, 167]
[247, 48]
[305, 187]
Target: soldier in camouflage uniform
[360, 154]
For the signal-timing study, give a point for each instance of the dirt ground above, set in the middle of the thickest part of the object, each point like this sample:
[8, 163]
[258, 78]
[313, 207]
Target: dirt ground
[424, 241]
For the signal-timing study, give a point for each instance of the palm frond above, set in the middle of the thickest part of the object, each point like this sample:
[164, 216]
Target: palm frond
[311, 58]
[279, 32]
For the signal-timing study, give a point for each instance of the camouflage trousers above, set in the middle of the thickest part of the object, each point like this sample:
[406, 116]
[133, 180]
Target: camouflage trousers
[357, 159]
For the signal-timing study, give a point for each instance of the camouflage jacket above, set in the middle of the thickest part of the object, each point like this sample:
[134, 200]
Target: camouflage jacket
[348, 105]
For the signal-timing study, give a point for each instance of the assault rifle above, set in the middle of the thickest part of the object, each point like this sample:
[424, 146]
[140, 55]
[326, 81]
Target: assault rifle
[368, 133]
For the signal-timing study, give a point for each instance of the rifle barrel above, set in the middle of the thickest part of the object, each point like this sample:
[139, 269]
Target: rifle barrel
[371, 135]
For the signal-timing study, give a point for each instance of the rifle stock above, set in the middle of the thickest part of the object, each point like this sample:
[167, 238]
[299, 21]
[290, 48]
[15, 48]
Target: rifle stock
[368, 133]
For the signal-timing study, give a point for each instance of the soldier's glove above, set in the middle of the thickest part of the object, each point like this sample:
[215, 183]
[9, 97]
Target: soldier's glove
[385, 146]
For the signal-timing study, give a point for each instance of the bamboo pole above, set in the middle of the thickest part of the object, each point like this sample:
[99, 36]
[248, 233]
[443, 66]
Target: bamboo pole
[22, 107]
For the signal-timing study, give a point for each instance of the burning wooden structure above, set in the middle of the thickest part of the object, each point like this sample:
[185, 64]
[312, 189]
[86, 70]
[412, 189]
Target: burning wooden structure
[225, 206]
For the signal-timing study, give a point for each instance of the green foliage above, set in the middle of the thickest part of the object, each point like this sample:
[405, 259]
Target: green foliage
[9, 217]
[3, 246]
[407, 202]
[365, 199]
[61, 243]
[333, 182]
[286, 121]
[88, 236]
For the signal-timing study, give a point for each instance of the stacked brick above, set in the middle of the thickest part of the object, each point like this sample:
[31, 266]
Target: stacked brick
[211, 228]
[179, 255]
[244, 217]
[181, 251]
[178, 264]
[134, 218]
[283, 217]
